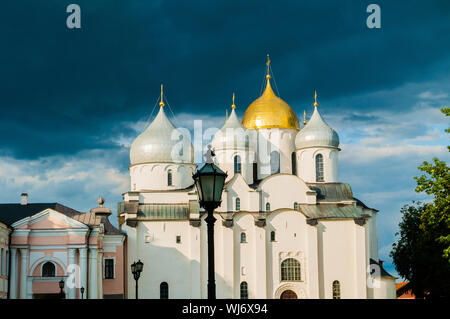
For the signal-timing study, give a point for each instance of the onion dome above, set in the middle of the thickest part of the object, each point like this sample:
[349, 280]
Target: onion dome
[161, 142]
[232, 135]
[316, 133]
[269, 111]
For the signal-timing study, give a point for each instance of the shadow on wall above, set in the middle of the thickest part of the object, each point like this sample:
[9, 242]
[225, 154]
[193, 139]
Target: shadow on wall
[170, 265]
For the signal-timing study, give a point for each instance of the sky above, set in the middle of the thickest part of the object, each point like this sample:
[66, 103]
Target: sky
[72, 100]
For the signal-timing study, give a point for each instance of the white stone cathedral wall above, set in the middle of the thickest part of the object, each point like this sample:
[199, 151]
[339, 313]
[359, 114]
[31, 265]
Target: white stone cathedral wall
[342, 257]
[268, 140]
[153, 176]
[306, 160]
[225, 160]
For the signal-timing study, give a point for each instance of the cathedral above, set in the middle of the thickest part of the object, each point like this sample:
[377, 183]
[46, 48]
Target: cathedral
[286, 227]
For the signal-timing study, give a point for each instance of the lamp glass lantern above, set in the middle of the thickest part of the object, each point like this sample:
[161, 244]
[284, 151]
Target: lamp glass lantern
[209, 181]
[61, 284]
[139, 266]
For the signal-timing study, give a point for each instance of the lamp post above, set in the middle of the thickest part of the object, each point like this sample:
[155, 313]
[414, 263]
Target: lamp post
[61, 289]
[136, 269]
[209, 181]
[82, 292]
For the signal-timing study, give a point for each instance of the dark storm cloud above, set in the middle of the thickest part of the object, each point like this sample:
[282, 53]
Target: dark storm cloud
[64, 90]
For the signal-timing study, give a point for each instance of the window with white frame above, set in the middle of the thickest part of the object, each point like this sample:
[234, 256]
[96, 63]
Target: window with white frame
[48, 269]
[237, 164]
[164, 290]
[169, 177]
[244, 290]
[319, 168]
[109, 268]
[336, 290]
[290, 270]
[238, 204]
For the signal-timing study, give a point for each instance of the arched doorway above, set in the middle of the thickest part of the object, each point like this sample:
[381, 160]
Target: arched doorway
[288, 294]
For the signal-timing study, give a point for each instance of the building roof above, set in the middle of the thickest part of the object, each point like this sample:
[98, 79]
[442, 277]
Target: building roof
[10, 213]
[383, 272]
[159, 211]
[332, 192]
[324, 210]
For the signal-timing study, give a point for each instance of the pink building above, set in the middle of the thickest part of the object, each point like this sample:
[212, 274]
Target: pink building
[51, 242]
[5, 231]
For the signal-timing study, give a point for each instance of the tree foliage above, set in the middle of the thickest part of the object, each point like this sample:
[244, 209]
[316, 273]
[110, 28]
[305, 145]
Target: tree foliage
[422, 253]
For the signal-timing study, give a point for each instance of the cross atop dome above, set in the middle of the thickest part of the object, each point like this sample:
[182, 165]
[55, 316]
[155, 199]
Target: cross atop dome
[161, 103]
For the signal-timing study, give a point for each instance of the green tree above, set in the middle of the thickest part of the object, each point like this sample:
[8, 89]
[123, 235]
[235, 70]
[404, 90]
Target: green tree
[422, 253]
[435, 220]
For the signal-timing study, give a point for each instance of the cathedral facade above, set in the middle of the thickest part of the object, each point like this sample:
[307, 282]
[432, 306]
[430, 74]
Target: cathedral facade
[286, 227]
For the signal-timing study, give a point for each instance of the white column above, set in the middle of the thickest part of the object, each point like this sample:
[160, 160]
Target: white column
[93, 273]
[228, 261]
[312, 260]
[23, 273]
[260, 264]
[13, 274]
[83, 270]
[100, 275]
[360, 262]
[195, 262]
[71, 287]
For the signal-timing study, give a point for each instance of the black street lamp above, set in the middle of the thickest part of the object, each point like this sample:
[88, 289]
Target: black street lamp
[82, 292]
[209, 181]
[136, 269]
[61, 289]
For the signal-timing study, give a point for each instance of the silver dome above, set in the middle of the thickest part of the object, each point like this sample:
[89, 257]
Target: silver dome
[232, 135]
[161, 142]
[316, 133]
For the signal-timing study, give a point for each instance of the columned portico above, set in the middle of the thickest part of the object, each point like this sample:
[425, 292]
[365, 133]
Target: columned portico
[100, 274]
[23, 273]
[71, 282]
[83, 269]
[13, 274]
[93, 273]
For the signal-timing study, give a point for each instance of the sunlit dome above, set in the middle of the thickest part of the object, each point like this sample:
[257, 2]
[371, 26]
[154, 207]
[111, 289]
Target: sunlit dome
[161, 142]
[270, 111]
[232, 135]
[316, 133]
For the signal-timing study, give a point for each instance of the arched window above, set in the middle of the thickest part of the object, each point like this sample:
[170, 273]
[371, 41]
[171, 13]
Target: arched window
[243, 238]
[272, 235]
[247, 142]
[336, 290]
[294, 163]
[290, 270]
[267, 207]
[274, 162]
[164, 290]
[48, 269]
[319, 168]
[169, 177]
[238, 204]
[296, 206]
[244, 290]
[237, 164]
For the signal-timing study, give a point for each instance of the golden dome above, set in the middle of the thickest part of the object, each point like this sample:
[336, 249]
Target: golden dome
[269, 111]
